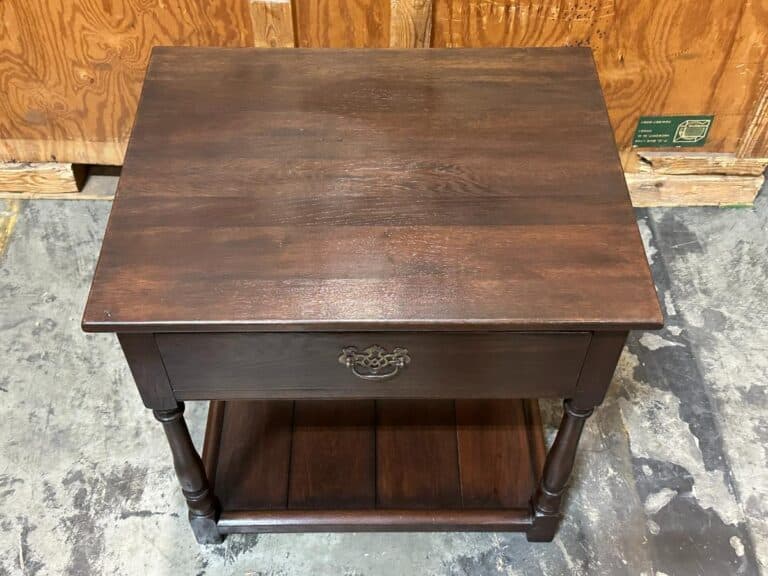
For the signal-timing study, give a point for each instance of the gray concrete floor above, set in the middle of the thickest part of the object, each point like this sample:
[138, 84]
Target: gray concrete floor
[671, 478]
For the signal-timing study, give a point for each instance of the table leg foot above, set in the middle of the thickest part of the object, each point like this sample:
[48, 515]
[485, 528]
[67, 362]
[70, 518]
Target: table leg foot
[557, 469]
[203, 509]
[544, 528]
[205, 530]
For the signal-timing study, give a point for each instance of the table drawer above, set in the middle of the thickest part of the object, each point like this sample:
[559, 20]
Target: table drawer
[373, 364]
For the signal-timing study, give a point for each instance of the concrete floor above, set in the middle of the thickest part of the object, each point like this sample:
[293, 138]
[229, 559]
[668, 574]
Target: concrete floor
[671, 478]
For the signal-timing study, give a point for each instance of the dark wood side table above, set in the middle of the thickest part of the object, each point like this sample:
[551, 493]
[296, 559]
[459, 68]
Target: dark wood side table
[372, 263]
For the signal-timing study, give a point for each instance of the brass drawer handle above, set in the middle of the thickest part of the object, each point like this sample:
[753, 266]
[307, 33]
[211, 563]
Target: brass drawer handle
[374, 363]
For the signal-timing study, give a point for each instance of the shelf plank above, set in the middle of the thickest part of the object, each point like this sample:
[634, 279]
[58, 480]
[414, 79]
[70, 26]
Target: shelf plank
[491, 437]
[252, 470]
[416, 456]
[282, 466]
[332, 455]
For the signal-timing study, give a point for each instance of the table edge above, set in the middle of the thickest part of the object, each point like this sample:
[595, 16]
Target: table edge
[376, 326]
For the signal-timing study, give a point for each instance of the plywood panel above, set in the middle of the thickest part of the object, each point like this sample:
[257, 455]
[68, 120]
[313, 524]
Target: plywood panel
[754, 143]
[411, 24]
[342, 23]
[682, 57]
[272, 24]
[71, 71]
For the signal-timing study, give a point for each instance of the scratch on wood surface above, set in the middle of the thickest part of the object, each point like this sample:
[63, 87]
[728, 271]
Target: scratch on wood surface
[8, 217]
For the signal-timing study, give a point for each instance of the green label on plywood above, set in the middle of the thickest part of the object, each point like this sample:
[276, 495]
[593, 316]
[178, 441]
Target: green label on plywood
[672, 131]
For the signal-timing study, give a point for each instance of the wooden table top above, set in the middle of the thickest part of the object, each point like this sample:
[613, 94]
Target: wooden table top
[272, 190]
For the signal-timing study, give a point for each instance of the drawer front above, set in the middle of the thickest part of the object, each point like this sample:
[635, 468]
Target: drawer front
[373, 364]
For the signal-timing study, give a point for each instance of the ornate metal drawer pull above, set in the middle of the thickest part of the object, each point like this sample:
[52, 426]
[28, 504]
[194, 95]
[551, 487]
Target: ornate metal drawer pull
[374, 363]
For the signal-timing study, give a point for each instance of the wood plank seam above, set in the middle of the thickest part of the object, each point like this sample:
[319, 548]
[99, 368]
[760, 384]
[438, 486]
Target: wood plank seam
[583, 364]
[290, 456]
[458, 453]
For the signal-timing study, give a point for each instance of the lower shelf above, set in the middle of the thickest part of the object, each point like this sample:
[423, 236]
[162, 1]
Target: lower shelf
[283, 466]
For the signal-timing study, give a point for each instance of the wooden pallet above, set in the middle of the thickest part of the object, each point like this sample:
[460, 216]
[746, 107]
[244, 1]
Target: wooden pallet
[41, 178]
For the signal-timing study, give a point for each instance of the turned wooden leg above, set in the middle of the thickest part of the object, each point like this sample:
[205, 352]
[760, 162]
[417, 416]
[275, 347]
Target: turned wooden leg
[202, 505]
[557, 470]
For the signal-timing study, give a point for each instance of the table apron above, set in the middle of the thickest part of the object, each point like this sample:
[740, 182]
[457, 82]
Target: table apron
[373, 364]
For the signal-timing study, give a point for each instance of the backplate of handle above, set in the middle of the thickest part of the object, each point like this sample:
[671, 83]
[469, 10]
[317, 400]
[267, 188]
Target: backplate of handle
[374, 363]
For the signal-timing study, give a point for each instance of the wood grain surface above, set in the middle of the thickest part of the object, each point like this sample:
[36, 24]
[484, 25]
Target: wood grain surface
[445, 365]
[253, 471]
[490, 441]
[41, 178]
[416, 456]
[410, 24]
[374, 466]
[333, 455]
[388, 189]
[695, 163]
[653, 57]
[754, 142]
[72, 71]
[272, 24]
[647, 190]
[342, 23]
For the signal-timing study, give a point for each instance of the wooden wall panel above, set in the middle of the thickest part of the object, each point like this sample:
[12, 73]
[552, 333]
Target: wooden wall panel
[272, 24]
[681, 57]
[342, 23]
[754, 142]
[410, 24]
[71, 70]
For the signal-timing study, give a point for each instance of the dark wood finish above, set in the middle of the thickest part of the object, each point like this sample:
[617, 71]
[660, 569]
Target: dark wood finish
[458, 365]
[602, 357]
[376, 520]
[493, 475]
[213, 427]
[596, 374]
[148, 371]
[333, 461]
[300, 190]
[416, 455]
[557, 470]
[277, 206]
[203, 510]
[253, 471]
[351, 461]
[538, 444]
